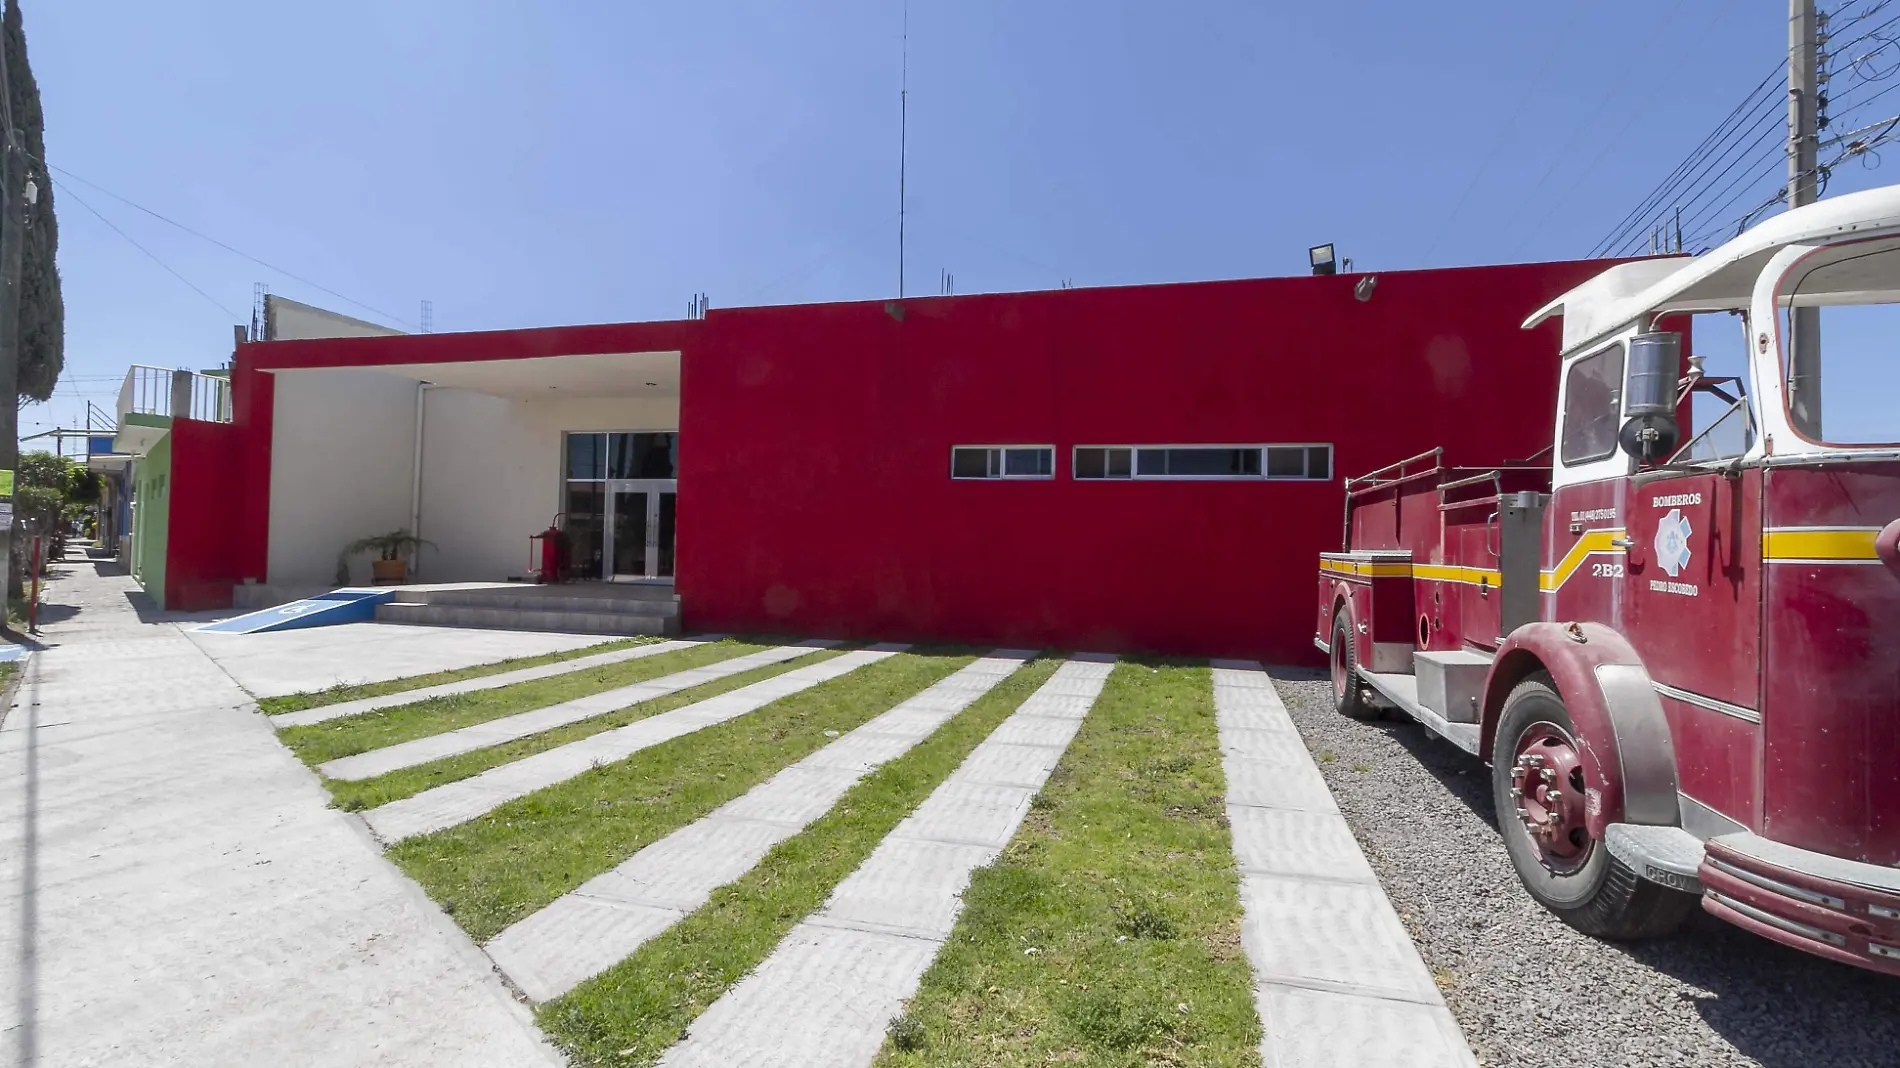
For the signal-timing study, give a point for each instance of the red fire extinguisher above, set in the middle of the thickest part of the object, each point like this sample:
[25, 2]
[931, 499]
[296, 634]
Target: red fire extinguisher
[553, 553]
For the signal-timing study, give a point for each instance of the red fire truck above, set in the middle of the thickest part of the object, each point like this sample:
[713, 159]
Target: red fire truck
[1675, 632]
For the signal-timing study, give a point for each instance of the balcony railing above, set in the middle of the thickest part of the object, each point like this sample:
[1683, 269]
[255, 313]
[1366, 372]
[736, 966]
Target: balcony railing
[177, 394]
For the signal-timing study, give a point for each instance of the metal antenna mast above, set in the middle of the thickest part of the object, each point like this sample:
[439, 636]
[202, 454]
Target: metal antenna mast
[903, 144]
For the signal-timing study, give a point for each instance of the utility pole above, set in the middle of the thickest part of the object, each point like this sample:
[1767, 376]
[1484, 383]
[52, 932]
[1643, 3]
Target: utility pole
[1804, 362]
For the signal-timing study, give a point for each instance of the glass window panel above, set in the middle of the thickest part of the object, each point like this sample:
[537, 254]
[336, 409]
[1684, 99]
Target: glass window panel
[656, 455]
[1027, 463]
[643, 455]
[1151, 462]
[1593, 406]
[586, 456]
[585, 524]
[1119, 463]
[1286, 461]
[1319, 462]
[970, 463]
[1211, 463]
[668, 506]
[630, 533]
[620, 461]
[1091, 463]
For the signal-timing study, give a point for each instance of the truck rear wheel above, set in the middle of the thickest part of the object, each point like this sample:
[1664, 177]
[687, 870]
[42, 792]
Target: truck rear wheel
[1349, 693]
[1537, 784]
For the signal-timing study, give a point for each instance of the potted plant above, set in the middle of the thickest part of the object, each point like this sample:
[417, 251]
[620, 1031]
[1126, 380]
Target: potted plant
[387, 568]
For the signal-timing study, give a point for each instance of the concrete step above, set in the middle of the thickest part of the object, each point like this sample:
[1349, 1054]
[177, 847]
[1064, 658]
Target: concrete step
[666, 624]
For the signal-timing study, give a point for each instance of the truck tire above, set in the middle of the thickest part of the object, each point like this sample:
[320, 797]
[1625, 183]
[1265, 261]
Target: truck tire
[1349, 693]
[1561, 866]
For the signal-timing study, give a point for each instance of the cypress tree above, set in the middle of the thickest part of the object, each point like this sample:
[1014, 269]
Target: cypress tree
[42, 310]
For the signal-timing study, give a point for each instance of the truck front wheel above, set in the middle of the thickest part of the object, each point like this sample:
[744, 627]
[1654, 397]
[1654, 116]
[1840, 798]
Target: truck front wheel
[1538, 786]
[1349, 693]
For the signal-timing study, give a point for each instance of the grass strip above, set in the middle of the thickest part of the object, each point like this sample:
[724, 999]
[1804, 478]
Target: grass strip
[351, 735]
[368, 793]
[1108, 933]
[297, 702]
[492, 871]
[631, 1013]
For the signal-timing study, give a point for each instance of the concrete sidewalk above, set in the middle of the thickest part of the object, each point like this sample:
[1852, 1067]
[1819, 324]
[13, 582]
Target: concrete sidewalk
[173, 890]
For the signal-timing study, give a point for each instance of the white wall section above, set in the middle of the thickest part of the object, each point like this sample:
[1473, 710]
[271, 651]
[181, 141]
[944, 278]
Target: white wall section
[341, 443]
[492, 473]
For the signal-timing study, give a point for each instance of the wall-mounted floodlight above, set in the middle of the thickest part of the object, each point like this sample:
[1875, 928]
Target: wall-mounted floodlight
[1323, 261]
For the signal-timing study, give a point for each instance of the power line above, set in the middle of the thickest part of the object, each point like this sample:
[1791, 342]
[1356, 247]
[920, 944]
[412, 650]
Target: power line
[154, 256]
[228, 248]
[1504, 134]
[1717, 142]
[806, 268]
[1771, 134]
[1617, 82]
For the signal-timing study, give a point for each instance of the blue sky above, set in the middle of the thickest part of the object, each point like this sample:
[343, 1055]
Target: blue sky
[524, 164]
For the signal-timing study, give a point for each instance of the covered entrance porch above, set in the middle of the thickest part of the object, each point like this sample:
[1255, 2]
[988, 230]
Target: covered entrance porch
[477, 456]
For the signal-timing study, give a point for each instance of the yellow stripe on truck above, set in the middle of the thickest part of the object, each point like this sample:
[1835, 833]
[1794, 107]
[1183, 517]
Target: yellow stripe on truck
[1363, 569]
[1470, 576]
[1591, 543]
[1818, 544]
[1602, 540]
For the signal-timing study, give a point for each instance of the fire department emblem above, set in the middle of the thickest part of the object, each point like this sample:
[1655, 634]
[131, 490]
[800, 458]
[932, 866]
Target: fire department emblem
[1672, 542]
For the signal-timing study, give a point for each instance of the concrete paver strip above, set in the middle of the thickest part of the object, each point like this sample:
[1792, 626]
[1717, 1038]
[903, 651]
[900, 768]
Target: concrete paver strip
[324, 713]
[279, 663]
[458, 802]
[610, 916]
[1338, 979]
[508, 728]
[827, 993]
[174, 889]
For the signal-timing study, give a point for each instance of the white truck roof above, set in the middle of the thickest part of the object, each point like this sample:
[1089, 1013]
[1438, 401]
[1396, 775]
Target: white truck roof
[1719, 279]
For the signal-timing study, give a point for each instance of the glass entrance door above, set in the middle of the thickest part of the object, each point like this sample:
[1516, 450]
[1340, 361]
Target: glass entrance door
[621, 488]
[642, 528]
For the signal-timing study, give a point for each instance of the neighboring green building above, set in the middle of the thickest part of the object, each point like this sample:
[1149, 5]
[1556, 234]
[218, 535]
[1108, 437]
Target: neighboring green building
[151, 517]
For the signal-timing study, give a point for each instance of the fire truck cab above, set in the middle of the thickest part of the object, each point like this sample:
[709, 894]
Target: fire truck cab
[1675, 633]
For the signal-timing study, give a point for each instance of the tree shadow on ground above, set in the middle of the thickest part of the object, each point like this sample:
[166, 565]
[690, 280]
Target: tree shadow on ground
[1779, 1006]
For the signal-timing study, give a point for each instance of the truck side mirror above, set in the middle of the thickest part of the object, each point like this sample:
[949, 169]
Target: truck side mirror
[1650, 432]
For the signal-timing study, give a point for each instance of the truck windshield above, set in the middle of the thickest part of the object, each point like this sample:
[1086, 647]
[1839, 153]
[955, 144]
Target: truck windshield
[1858, 331]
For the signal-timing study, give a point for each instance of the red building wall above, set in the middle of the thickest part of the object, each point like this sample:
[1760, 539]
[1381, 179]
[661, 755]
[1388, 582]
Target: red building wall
[815, 496]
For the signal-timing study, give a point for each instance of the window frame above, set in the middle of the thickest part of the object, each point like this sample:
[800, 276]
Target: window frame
[1564, 458]
[998, 463]
[1134, 466]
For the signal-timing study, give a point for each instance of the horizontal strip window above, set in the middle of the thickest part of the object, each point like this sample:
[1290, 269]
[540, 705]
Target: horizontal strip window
[1003, 461]
[1302, 463]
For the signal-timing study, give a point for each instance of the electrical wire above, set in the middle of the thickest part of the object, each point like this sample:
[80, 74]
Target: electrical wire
[228, 248]
[1767, 128]
[1699, 202]
[1751, 170]
[1617, 82]
[805, 269]
[154, 256]
[1714, 147]
[1504, 133]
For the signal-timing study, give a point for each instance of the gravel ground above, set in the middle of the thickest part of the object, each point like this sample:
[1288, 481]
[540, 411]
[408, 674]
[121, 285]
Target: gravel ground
[1529, 990]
